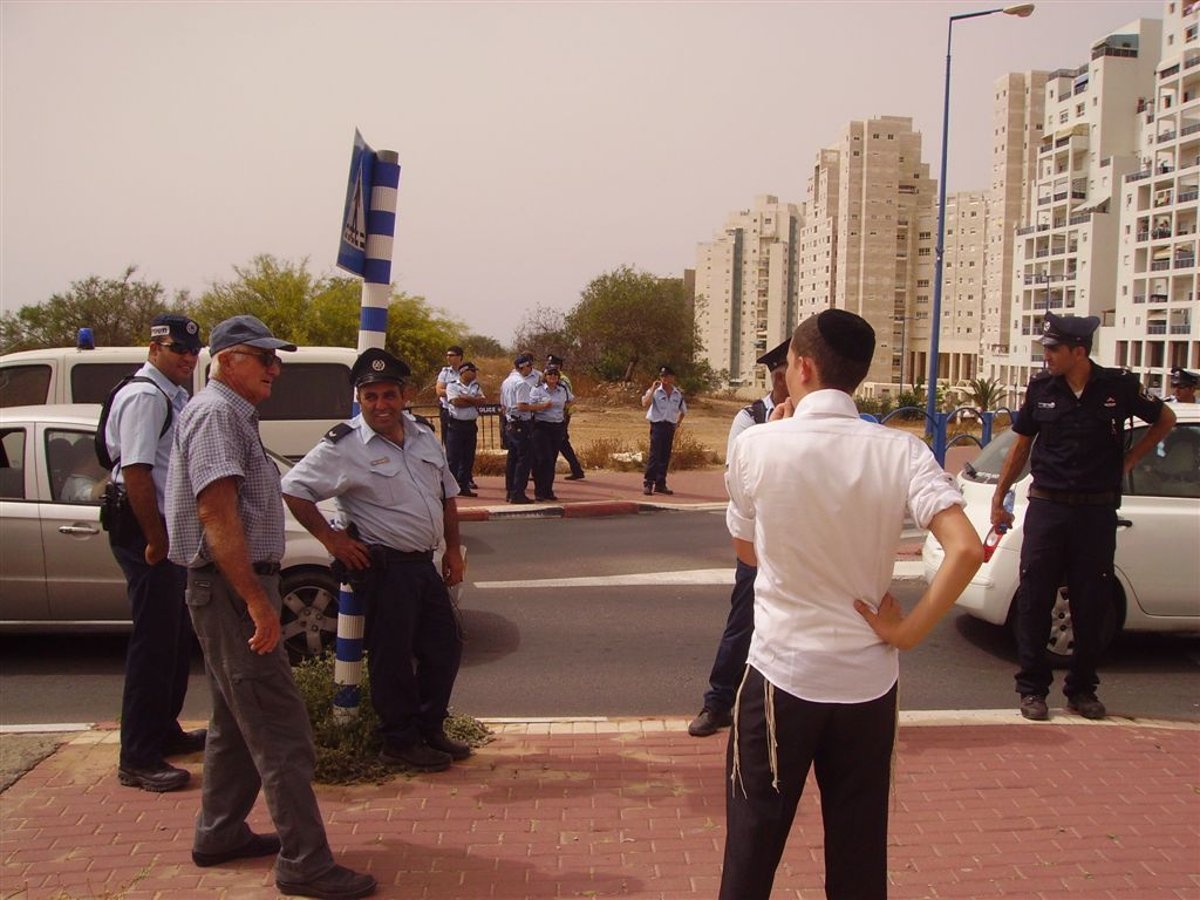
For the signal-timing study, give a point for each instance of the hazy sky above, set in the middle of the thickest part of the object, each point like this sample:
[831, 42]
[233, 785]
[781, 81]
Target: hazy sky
[541, 144]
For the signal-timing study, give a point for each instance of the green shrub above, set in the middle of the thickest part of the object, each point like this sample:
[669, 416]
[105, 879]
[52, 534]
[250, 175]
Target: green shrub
[347, 751]
[689, 453]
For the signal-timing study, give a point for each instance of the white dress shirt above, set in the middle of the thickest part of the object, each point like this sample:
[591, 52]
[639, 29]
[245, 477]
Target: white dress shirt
[823, 496]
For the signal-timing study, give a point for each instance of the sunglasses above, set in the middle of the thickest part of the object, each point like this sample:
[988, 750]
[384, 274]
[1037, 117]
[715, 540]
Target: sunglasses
[180, 349]
[267, 359]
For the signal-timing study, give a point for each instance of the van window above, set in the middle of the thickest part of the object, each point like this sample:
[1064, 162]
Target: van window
[309, 391]
[75, 474]
[91, 382]
[985, 468]
[12, 464]
[24, 385]
[1171, 469]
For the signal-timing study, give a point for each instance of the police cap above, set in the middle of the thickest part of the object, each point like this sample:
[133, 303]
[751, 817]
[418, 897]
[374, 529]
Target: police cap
[378, 365]
[1070, 330]
[467, 365]
[666, 370]
[1184, 378]
[169, 327]
[523, 359]
[775, 357]
[552, 360]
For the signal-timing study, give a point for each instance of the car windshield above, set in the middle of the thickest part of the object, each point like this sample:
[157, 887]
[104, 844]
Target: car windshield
[985, 468]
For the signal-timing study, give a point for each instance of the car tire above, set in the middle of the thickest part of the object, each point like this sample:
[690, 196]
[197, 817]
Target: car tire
[1060, 643]
[309, 614]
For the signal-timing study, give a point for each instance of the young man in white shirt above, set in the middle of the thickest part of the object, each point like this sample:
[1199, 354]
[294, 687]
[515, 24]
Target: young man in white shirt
[817, 501]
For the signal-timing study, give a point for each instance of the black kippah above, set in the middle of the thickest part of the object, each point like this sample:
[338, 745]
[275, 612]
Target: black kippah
[848, 335]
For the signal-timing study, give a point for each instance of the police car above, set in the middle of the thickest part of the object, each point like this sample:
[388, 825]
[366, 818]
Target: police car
[58, 573]
[1158, 533]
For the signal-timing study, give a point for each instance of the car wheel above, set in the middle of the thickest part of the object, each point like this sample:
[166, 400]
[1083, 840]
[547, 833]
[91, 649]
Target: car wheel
[1060, 645]
[309, 614]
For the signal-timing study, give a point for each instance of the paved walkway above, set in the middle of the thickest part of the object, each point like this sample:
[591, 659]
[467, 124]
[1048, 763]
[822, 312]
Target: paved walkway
[985, 805]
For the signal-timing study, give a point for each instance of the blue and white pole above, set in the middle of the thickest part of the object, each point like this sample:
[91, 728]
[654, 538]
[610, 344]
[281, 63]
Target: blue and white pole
[372, 332]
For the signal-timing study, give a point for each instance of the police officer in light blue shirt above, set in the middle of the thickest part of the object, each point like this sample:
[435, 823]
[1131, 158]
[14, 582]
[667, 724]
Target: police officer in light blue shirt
[518, 427]
[139, 433]
[665, 409]
[390, 478]
[463, 398]
[550, 402]
[448, 374]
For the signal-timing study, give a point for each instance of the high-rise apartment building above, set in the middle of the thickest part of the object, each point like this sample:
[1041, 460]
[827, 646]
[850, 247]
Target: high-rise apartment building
[1154, 322]
[745, 294]
[964, 276]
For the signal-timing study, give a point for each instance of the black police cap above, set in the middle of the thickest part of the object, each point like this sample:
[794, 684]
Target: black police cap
[552, 360]
[173, 327]
[666, 370]
[378, 365]
[523, 359]
[776, 356]
[1070, 330]
[1184, 378]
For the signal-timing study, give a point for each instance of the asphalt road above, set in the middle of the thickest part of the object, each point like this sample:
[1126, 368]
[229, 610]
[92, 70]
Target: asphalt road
[613, 644]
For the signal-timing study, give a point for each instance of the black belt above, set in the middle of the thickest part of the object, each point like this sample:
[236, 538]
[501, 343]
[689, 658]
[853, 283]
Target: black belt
[1073, 498]
[260, 568]
[403, 555]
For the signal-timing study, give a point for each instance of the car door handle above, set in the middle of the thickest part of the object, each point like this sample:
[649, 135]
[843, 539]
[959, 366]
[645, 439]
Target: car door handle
[77, 529]
[1124, 523]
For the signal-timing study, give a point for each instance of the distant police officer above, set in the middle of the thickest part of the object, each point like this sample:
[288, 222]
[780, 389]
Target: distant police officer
[140, 429]
[730, 663]
[1183, 386]
[665, 409]
[463, 398]
[518, 427]
[448, 374]
[567, 451]
[1076, 411]
[391, 481]
[549, 402]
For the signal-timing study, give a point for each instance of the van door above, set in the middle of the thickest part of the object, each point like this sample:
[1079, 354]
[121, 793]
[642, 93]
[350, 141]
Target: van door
[22, 563]
[25, 384]
[307, 399]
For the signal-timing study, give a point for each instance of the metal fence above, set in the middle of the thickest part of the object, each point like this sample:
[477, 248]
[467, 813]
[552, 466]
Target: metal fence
[937, 428]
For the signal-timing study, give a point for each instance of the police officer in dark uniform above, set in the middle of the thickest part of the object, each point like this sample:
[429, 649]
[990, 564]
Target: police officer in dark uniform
[1076, 410]
[1183, 386]
[391, 480]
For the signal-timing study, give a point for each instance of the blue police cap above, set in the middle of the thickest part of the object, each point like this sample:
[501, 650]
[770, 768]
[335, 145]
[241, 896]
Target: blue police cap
[171, 327]
[378, 365]
[523, 360]
[1071, 330]
[776, 356]
[1184, 378]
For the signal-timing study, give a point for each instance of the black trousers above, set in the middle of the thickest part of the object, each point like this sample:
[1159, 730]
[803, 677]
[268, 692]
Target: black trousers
[662, 435]
[1071, 545]
[414, 648]
[567, 451]
[850, 747]
[460, 450]
[158, 657]
[520, 457]
[547, 439]
[735, 642]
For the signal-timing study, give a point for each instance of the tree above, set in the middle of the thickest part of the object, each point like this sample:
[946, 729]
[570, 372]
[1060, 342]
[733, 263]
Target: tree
[543, 330]
[481, 346]
[118, 310]
[984, 393]
[627, 323]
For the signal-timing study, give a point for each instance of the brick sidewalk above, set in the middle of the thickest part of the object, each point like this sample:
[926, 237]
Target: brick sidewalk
[635, 808]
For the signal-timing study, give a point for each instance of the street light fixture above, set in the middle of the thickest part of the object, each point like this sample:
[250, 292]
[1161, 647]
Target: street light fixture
[1021, 10]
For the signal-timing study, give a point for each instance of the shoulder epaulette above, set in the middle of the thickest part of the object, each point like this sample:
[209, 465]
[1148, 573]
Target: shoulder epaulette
[337, 432]
[421, 420]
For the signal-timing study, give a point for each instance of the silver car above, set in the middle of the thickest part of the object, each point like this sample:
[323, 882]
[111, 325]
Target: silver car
[57, 572]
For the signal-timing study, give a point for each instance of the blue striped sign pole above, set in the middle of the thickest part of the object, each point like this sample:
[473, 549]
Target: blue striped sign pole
[372, 332]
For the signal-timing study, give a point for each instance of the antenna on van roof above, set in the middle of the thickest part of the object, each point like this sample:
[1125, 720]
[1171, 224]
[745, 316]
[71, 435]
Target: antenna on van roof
[85, 340]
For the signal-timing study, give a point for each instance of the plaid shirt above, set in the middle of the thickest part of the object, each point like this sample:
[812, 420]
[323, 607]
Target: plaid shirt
[217, 437]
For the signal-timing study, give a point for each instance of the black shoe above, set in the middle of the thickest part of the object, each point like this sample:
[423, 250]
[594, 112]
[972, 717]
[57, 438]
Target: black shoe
[519, 499]
[709, 721]
[456, 750]
[339, 883]
[648, 489]
[472, 485]
[549, 498]
[1034, 707]
[159, 779]
[662, 489]
[186, 742]
[467, 492]
[419, 756]
[574, 477]
[1086, 705]
[258, 845]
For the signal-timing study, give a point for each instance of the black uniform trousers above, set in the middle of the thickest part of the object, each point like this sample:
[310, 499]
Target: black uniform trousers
[158, 656]
[567, 451]
[413, 645]
[520, 456]
[1071, 545]
[730, 663]
[547, 439]
[662, 435]
[850, 746]
[460, 449]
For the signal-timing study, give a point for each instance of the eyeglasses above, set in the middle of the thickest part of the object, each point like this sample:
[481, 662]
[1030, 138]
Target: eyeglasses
[179, 349]
[267, 359]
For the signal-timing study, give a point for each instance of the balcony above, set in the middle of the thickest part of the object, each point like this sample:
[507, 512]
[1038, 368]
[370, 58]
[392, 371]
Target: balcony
[1159, 265]
[1139, 298]
[1061, 195]
[1188, 196]
[1156, 328]
[1080, 219]
[1185, 262]
[1137, 176]
[1042, 201]
[1158, 298]
[1169, 71]
[1184, 328]
[1143, 236]
[1166, 136]
[1190, 129]
[1042, 253]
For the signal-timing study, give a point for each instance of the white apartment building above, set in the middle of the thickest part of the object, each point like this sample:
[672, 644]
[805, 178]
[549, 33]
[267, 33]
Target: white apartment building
[745, 293]
[1154, 324]
[964, 277]
[1065, 257]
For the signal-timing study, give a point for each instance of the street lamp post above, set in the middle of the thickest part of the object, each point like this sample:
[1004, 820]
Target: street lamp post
[1021, 10]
